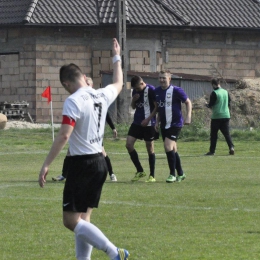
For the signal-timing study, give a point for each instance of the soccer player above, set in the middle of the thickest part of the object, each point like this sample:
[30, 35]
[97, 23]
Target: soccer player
[143, 126]
[63, 176]
[84, 114]
[219, 103]
[170, 120]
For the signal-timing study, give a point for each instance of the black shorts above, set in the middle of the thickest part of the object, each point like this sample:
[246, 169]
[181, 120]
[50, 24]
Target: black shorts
[146, 133]
[83, 186]
[171, 133]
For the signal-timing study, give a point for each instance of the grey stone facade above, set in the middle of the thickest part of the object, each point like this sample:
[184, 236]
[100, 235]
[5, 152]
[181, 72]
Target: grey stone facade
[30, 58]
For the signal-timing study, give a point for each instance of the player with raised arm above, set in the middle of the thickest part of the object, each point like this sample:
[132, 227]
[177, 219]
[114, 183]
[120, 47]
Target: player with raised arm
[84, 115]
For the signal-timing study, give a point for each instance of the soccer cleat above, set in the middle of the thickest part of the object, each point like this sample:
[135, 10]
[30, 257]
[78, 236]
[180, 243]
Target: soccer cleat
[171, 179]
[232, 151]
[122, 254]
[58, 178]
[181, 178]
[139, 175]
[209, 153]
[150, 179]
[113, 177]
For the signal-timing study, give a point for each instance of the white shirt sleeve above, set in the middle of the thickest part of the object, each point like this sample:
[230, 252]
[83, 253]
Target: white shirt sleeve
[70, 109]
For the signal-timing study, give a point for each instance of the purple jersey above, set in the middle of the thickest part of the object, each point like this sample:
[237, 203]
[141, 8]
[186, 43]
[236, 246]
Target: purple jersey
[169, 105]
[144, 105]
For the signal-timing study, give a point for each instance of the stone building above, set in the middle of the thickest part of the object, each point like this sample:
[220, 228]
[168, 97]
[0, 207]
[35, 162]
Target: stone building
[201, 37]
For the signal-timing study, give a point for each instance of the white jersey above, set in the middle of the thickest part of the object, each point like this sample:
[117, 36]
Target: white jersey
[88, 107]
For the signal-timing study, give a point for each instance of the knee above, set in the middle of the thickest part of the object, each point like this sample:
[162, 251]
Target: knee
[68, 224]
[129, 147]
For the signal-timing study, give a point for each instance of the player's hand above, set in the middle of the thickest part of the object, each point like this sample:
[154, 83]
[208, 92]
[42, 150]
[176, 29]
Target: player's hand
[42, 176]
[156, 127]
[187, 121]
[115, 47]
[145, 122]
[115, 133]
[135, 97]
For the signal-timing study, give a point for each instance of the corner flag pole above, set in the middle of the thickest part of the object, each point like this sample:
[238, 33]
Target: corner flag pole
[52, 122]
[52, 126]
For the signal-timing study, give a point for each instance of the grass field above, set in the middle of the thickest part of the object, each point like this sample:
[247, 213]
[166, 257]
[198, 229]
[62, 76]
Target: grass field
[213, 214]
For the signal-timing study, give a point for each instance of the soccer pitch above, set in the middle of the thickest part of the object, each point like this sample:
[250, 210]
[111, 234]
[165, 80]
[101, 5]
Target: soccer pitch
[213, 214]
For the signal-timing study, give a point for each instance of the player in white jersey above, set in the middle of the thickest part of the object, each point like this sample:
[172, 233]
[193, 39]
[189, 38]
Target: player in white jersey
[113, 178]
[84, 115]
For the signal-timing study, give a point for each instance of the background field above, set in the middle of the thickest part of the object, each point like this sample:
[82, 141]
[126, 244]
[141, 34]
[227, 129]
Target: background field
[213, 214]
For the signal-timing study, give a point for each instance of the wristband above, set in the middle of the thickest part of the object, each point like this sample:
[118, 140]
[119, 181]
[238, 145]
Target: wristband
[116, 58]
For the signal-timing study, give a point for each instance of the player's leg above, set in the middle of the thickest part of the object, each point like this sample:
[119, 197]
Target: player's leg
[130, 141]
[170, 148]
[149, 136]
[134, 133]
[83, 249]
[224, 128]
[88, 193]
[151, 155]
[214, 127]
[109, 165]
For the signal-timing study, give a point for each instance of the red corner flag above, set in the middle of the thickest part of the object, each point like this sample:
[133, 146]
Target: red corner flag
[47, 93]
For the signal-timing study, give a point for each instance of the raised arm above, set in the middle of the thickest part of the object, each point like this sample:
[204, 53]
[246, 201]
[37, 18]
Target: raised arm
[117, 69]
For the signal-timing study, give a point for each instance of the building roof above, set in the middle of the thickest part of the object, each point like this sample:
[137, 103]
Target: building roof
[194, 13]
[182, 76]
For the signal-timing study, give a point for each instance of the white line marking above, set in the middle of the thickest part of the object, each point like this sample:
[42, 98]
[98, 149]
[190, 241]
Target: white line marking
[123, 203]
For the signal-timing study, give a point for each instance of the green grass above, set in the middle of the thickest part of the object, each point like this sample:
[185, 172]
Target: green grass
[213, 214]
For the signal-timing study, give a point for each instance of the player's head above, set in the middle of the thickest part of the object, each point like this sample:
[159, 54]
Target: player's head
[70, 75]
[165, 78]
[215, 83]
[137, 83]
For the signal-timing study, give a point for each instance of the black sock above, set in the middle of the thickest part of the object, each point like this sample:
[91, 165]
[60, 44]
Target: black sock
[135, 160]
[178, 164]
[171, 161]
[152, 163]
[109, 165]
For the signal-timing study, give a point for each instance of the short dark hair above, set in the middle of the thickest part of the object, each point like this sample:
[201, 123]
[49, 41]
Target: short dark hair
[70, 72]
[215, 82]
[135, 81]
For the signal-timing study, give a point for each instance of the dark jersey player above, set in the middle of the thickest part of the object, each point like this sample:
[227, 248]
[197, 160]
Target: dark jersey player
[143, 126]
[169, 99]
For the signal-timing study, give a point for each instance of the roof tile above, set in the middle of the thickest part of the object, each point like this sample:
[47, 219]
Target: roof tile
[199, 13]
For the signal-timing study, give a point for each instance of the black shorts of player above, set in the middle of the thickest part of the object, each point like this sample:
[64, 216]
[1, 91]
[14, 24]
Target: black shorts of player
[83, 186]
[147, 133]
[171, 133]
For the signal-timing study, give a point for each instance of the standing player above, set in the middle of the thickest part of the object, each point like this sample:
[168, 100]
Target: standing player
[84, 114]
[144, 103]
[169, 99]
[219, 103]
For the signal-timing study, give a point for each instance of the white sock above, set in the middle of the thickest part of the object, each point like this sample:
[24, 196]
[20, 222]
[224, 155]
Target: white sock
[83, 249]
[90, 234]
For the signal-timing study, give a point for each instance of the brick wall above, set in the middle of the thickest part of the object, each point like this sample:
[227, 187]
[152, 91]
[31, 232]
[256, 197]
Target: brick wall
[30, 59]
[48, 62]
[234, 64]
